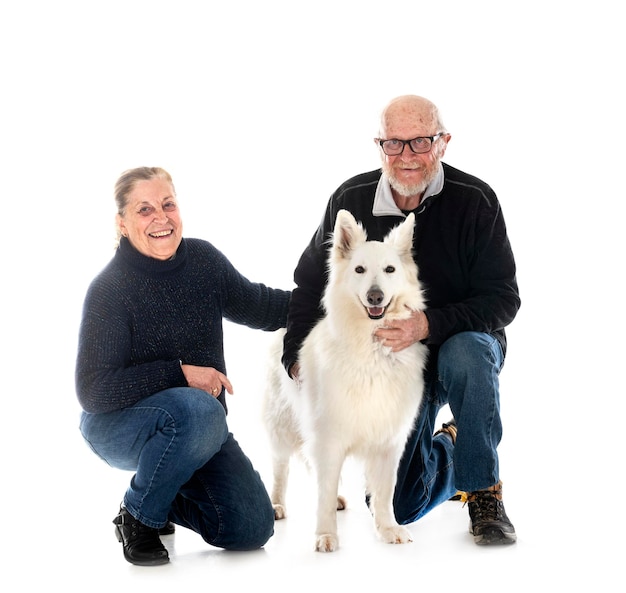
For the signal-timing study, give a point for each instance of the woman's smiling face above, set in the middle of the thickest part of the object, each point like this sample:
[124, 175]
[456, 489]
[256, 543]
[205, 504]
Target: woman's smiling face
[151, 219]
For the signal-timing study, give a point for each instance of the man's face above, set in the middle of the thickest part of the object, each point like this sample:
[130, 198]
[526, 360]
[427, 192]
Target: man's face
[410, 173]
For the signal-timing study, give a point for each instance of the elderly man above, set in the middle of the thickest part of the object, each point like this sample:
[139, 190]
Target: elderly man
[467, 267]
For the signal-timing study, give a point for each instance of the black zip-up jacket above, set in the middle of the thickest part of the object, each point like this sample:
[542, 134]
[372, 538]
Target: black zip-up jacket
[461, 248]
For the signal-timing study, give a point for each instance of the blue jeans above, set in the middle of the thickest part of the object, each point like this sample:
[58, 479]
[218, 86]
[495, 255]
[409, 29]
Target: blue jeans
[432, 469]
[188, 467]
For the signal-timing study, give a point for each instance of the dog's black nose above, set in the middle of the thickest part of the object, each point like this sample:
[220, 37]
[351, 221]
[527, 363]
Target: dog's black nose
[375, 296]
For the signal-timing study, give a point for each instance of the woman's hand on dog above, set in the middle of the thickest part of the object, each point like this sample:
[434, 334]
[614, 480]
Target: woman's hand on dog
[294, 373]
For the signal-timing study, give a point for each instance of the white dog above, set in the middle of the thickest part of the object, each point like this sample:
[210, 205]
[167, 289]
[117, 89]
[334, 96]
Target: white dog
[354, 396]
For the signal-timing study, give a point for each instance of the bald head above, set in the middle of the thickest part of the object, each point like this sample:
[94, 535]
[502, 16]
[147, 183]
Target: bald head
[410, 112]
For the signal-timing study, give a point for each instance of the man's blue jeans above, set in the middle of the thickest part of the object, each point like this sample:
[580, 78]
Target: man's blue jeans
[432, 468]
[188, 467]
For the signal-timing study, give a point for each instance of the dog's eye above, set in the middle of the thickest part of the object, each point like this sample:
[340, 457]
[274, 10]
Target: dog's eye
[359, 270]
[390, 270]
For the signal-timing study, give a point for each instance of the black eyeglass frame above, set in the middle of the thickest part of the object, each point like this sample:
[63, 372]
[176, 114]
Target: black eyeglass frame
[405, 142]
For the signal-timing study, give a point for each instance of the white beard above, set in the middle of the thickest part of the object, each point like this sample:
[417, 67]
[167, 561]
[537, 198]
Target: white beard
[408, 190]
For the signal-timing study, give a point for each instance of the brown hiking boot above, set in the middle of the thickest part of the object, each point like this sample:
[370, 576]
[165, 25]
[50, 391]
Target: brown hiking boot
[488, 521]
[448, 428]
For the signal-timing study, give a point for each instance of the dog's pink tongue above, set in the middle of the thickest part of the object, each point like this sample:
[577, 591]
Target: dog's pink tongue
[375, 311]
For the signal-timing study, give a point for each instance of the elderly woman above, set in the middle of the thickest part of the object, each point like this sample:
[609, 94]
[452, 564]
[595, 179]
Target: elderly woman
[151, 377]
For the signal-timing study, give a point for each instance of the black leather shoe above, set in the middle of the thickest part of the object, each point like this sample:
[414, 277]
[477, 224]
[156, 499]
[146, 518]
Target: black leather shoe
[141, 543]
[168, 529]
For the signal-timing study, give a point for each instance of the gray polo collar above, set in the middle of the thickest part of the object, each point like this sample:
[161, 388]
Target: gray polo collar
[384, 204]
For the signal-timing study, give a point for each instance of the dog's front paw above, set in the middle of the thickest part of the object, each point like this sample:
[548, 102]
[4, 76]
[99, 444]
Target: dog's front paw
[279, 512]
[395, 534]
[326, 542]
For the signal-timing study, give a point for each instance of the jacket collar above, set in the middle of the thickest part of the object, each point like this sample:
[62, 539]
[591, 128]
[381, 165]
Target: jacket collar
[384, 204]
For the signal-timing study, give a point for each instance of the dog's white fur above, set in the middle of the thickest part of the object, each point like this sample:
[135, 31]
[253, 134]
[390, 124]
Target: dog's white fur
[354, 396]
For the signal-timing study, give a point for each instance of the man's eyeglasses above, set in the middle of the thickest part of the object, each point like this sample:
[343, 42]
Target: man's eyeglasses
[418, 145]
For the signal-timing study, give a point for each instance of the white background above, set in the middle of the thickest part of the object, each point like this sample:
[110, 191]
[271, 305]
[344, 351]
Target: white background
[260, 110]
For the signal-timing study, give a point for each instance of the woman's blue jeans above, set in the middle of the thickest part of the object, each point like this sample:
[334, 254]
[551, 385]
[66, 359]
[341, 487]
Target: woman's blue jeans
[188, 467]
[432, 468]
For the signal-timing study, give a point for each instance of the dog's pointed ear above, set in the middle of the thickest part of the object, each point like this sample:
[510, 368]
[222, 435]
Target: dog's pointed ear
[402, 235]
[348, 233]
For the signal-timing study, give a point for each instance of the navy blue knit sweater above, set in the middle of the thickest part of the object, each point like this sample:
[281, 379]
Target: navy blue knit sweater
[143, 316]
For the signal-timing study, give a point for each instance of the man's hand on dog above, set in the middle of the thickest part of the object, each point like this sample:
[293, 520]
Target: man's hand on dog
[401, 333]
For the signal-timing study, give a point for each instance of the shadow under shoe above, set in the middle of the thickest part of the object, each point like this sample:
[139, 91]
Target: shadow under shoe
[489, 523]
[142, 545]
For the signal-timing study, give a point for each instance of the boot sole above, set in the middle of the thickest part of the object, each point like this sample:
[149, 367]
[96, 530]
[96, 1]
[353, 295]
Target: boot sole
[494, 537]
[148, 562]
